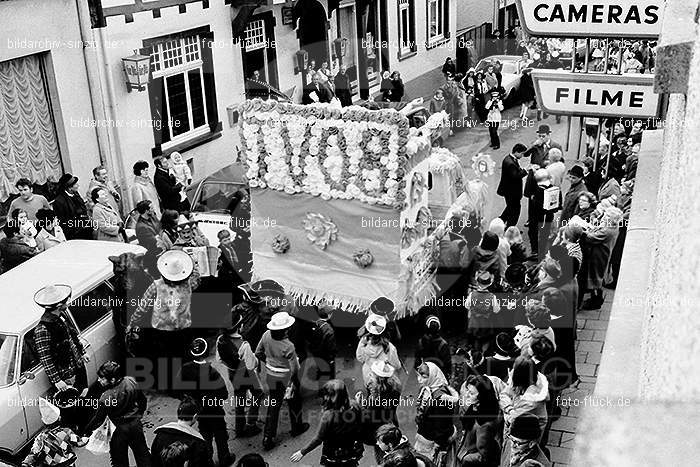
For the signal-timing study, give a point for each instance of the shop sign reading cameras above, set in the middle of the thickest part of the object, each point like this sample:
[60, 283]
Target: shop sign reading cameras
[596, 95]
[639, 19]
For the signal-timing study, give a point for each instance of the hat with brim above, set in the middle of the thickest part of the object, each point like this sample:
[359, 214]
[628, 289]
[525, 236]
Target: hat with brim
[66, 398]
[236, 320]
[53, 295]
[375, 324]
[515, 274]
[484, 279]
[382, 369]
[506, 345]
[281, 320]
[576, 171]
[50, 414]
[250, 294]
[175, 265]
[67, 180]
[260, 290]
[543, 129]
[382, 306]
[526, 426]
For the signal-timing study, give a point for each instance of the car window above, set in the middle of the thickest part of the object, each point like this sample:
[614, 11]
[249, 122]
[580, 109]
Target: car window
[8, 358]
[92, 306]
[29, 356]
[509, 67]
[215, 197]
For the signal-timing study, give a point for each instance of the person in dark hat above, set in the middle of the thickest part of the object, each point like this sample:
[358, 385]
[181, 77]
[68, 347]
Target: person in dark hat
[521, 443]
[539, 149]
[237, 355]
[71, 210]
[56, 340]
[322, 343]
[432, 347]
[261, 299]
[493, 119]
[384, 307]
[482, 308]
[502, 361]
[209, 390]
[576, 189]
[484, 257]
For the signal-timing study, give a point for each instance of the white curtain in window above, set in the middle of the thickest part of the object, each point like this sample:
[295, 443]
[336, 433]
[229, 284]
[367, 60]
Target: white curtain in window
[28, 146]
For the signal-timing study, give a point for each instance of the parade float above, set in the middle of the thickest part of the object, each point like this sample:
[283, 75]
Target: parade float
[340, 207]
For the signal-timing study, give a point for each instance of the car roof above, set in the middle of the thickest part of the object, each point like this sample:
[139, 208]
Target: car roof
[500, 57]
[82, 264]
[232, 173]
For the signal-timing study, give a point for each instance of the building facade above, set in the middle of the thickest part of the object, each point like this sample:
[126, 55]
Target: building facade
[45, 101]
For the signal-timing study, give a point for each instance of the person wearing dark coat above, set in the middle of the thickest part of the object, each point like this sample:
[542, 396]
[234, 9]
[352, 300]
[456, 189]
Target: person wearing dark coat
[182, 431]
[577, 187]
[319, 90]
[521, 445]
[71, 210]
[13, 249]
[502, 361]
[322, 343]
[449, 68]
[539, 150]
[432, 347]
[209, 390]
[148, 230]
[480, 423]
[339, 430]
[168, 188]
[343, 87]
[511, 184]
[398, 89]
[483, 257]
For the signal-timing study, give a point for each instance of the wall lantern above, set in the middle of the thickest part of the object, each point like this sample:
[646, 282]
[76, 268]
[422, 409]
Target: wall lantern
[341, 45]
[302, 61]
[137, 68]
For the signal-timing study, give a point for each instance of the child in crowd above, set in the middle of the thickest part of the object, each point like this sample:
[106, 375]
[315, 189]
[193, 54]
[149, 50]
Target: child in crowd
[54, 445]
[482, 307]
[180, 170]
[27, 231]
[518, 252]
[437, 103]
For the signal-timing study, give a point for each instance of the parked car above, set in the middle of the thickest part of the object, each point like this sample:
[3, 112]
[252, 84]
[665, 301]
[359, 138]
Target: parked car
[510, 81]
[84, 265]
[213, 200]
[417, 115]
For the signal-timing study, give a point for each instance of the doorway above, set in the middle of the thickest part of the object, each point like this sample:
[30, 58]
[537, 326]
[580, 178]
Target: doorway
[259, 60]
[313, 32]
[347, 28]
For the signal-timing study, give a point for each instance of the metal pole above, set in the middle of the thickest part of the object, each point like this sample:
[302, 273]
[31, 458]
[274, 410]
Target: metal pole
[607, 55]
[588, 53]
[573, 56]
[612, 129]
[597, 143]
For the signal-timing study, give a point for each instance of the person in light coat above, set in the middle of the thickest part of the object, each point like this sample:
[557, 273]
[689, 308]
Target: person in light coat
[107, 223]
[143, 188]
[50, 233]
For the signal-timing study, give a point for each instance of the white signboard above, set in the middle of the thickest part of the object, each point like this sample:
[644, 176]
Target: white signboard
[592, 18]
[596, 95]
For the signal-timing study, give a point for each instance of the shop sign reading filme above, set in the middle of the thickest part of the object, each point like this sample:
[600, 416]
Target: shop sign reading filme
[597, 95]
[640, 19]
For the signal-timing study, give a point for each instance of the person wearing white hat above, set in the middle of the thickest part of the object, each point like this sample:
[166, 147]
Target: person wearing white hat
[379, 401]
[375, 346]
[54, 445]
[167, 301]
[56, 340]
[277, 353]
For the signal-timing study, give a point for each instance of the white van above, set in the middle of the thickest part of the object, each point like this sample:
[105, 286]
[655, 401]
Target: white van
[82, 264]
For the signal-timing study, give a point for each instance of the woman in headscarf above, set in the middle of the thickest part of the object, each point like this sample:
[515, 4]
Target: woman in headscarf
[339, 429]
[599, 241]
[107, 223]
[375, 346]
[435, 411]
[168, 225]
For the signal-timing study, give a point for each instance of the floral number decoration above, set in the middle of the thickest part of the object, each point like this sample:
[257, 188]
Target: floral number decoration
[320, 230]
[351, 153]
